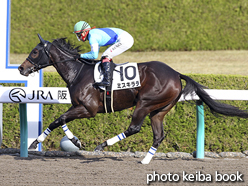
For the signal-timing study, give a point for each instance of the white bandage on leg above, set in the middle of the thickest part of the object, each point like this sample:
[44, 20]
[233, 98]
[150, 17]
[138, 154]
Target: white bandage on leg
[68, 133]
[115, 139]
[149, 155]
[42, 137]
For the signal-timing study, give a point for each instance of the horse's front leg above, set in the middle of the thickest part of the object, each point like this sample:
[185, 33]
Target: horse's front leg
[43, 136]
[71, 114]
[58, 122]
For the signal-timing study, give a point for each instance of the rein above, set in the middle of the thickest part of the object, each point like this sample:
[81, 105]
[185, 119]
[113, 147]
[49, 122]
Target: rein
[83, 61]
[37, 65]
[87, 62]
[45, 49]
[76, 76]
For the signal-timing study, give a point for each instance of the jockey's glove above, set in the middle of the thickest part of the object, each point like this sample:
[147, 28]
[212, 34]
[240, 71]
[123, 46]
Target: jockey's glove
[77, 56]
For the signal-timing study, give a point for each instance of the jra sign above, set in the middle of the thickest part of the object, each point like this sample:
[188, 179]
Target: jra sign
[47, 95]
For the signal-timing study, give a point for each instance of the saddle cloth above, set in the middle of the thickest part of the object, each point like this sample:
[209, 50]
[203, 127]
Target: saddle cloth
[125, 76]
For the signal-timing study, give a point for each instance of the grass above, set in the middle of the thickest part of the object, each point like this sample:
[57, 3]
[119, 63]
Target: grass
[233, 62]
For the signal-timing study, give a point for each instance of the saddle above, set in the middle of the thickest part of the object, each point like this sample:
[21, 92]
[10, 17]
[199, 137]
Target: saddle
[108, 91]
[123, 76]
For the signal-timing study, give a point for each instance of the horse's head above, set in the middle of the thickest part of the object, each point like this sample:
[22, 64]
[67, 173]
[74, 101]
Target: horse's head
[37, 59]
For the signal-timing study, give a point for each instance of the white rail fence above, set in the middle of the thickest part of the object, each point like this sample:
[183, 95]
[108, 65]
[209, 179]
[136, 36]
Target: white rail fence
[60, 95]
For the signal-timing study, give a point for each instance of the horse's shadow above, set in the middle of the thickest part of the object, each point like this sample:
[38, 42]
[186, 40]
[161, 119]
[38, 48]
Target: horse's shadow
[85, 159]
[100, 159]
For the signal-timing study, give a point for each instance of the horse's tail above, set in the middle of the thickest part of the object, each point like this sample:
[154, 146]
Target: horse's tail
[215, 106]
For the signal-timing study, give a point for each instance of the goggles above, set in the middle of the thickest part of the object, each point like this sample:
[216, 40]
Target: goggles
[78, 35]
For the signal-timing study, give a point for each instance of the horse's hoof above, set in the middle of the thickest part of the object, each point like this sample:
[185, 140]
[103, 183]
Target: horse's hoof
[98, 148]
[101, 146]
[30, 150]
[79, 144]
[76, 142]
[33, 146]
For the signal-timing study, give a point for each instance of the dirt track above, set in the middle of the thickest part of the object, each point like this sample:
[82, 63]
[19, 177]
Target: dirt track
[37, 170]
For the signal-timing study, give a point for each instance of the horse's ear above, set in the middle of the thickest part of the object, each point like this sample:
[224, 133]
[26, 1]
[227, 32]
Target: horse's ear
[41, 39]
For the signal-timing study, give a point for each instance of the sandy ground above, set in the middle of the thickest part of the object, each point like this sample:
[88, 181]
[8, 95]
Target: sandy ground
[37, 170]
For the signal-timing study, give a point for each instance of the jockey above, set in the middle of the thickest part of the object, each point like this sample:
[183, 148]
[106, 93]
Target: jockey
[119, 40]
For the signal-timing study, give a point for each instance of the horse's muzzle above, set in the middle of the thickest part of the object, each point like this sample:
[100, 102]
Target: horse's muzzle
[25, 72]
[21, 69]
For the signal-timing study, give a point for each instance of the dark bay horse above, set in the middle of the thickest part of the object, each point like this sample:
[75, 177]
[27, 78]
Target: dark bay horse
[160, 90]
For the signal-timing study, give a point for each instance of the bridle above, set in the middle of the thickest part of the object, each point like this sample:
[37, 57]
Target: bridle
[44, 59]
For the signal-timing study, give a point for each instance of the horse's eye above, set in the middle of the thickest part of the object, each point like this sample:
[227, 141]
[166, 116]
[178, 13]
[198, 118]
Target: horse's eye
[35, 53]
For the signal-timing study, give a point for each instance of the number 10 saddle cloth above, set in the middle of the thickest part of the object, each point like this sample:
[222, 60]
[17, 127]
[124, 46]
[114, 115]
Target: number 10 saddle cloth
[124, 76]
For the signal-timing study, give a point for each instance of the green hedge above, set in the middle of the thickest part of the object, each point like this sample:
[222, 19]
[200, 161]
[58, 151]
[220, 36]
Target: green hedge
[221, 133]
[159, 25]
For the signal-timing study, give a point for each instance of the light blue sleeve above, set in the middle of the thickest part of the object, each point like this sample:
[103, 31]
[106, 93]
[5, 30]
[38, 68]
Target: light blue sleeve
[90, 55]
[94, 44]
[100, 37]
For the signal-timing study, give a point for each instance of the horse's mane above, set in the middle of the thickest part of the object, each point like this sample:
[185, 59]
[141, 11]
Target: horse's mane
[66, 45]
[71, 49]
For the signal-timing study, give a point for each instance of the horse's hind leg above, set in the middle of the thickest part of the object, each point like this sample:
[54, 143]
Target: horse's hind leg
[139, 115]
[158, 130]
[141, 111]
[158, 134]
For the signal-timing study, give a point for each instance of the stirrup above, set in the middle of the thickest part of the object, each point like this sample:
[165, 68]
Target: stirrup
[106, 84]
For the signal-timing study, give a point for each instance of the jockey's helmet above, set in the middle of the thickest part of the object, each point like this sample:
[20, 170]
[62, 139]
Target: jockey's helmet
[80, 27]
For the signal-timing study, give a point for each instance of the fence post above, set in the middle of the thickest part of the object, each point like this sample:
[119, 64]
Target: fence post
[200, 138]
[23, 130]
[1, 124]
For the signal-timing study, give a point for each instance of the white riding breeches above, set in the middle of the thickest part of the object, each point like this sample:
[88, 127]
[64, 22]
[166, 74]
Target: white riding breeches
[124, 42]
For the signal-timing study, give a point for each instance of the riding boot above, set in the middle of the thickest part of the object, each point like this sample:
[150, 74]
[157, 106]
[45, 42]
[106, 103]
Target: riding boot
[106, 74]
